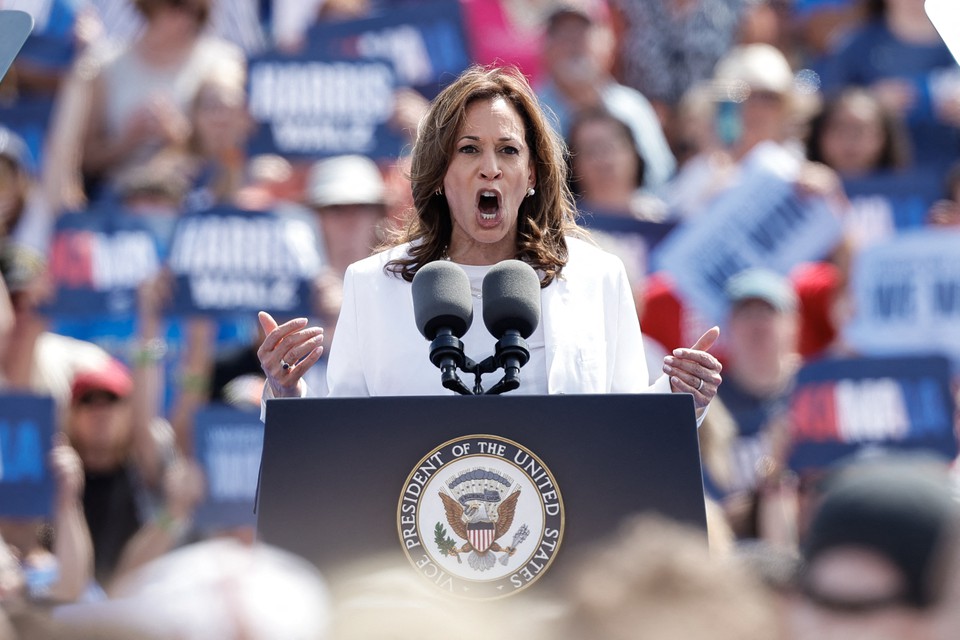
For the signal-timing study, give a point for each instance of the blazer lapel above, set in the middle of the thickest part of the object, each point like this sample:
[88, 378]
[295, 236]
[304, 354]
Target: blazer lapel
[556, 318]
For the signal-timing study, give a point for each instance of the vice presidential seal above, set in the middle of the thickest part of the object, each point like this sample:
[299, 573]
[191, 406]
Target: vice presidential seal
[481, 517]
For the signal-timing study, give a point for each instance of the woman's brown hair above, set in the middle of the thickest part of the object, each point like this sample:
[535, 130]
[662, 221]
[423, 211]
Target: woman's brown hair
[544, 219]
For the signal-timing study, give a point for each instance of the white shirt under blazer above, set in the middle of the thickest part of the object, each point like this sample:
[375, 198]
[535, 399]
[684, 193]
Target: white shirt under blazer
[591, 334]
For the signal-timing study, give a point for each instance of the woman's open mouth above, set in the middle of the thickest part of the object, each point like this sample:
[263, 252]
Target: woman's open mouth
[488, 204]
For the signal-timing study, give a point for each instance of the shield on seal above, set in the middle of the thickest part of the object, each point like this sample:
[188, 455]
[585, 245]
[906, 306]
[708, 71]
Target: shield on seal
[480, 535]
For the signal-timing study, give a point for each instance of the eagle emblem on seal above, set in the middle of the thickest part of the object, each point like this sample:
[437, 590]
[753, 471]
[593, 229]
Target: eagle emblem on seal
[480, 509]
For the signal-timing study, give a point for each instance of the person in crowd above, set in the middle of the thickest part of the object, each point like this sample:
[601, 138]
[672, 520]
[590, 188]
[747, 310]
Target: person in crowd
[900, 56]
[577, 58]
[761, 366]
[770, 22]
[137, 497]
[55, 558]
[25, 219]
[220, 126]
[37, 360]
[348, 199]
[122, 106]
[217, 588]
[668, 47]
[820, 25]
[489, 184]
[881, 556]
[867, 145]
[857, 136]
[607, 170]
[348, 196]
[823, 288]
[754, 123]
[755, 110]
[241, 22]
[656, 578]
[945, 212]
[377, 597]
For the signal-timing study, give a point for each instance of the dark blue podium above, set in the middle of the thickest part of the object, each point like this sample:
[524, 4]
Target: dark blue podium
[484, 495]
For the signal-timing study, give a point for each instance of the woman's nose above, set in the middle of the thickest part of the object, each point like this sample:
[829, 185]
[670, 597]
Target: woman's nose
[489, 167]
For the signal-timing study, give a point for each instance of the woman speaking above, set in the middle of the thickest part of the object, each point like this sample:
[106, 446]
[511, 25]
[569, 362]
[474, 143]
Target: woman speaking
[489, 184]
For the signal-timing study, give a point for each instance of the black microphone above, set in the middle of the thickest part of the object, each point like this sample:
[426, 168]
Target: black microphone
[443, 311]
[511, 312]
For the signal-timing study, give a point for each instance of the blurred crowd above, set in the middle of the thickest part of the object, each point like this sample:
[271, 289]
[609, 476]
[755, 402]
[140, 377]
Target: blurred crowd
[666, 106]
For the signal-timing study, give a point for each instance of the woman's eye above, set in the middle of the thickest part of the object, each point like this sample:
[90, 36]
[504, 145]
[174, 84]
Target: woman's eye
[469, 148]
[511, 150]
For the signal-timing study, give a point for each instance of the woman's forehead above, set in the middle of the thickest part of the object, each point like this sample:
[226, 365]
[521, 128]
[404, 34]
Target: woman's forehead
[496, 113]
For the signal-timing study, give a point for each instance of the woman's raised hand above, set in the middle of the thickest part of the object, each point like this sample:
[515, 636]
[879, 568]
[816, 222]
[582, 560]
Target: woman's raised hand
[287, 352]
[694, 370]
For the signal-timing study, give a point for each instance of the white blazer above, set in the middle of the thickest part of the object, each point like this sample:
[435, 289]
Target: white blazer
[591, 332]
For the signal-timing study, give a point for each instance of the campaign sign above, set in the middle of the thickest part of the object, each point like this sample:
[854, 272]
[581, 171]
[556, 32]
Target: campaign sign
[228, 443]
[844, 405]
[97, 261]
[311, 106]
[26, 432]
[227, 260]
[762, 221]
[425, 42]
[906, 294]
[891, 202]
[638, 238]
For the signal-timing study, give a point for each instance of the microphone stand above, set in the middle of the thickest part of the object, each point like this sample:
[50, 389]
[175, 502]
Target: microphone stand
[511, 353]
[446, 353]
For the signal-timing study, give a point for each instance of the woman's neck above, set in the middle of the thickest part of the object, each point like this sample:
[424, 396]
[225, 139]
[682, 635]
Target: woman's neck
[467, 251]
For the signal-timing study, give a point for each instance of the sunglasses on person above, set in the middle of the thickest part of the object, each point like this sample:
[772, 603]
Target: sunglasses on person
[98, 399]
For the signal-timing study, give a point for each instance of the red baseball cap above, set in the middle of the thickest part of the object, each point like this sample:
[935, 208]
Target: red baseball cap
[110, 376]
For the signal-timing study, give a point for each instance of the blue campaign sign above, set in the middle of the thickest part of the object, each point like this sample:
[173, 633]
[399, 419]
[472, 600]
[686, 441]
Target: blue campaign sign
[97, 261]
[426, 42]
[842, 406]
[900, 200]
[638, 237]
[309, 106]
[228, 443]
[26, 433]
[231, 261]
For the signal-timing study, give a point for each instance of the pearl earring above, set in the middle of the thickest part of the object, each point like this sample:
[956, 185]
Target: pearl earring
[531, 191]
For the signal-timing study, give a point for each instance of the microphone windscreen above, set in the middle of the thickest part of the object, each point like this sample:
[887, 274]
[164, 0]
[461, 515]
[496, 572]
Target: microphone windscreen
[511, 298]
[441, 298]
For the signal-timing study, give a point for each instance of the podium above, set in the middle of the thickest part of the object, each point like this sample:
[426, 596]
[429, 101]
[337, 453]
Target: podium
[484, 495]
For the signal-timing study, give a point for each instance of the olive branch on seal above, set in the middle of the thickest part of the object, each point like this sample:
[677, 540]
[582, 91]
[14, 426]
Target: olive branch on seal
[445, 544]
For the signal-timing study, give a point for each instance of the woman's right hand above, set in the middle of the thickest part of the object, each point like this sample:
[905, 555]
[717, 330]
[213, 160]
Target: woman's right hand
[287, 352]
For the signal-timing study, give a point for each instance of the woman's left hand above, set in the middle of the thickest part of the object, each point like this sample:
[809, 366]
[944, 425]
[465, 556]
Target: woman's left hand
[694, 370]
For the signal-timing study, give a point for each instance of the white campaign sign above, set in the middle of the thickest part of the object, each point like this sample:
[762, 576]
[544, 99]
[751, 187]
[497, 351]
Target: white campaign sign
[907, 296]
[760, 222]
